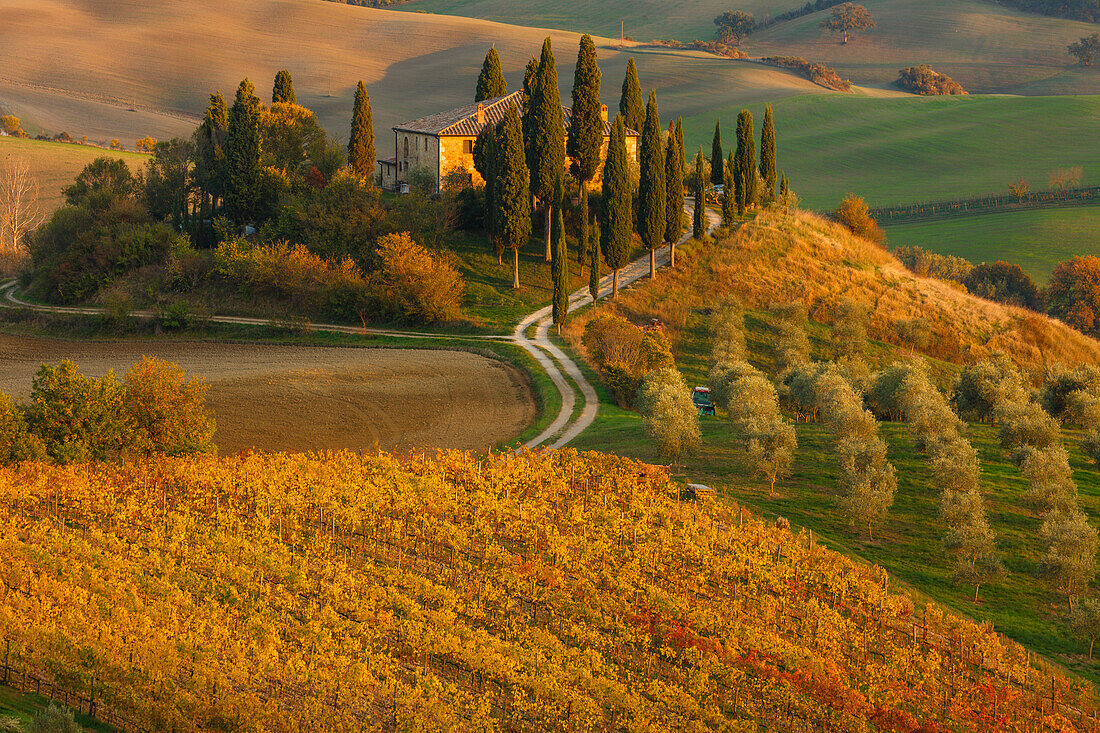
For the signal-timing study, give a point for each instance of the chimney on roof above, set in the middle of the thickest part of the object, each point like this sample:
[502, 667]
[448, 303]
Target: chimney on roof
[603, 112]
[480, 115]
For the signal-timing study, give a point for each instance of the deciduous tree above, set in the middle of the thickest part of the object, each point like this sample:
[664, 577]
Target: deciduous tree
[1070, 558]
[734, 25]
[671, 419]
[1084, 619]
[20, 213]
[1086, 51]
[849, 18]
[1074, 293]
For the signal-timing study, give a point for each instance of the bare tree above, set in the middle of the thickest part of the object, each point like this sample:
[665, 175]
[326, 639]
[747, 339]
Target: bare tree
[19, 210]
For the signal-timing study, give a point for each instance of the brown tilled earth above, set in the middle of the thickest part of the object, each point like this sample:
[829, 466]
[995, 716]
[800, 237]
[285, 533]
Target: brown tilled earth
[297, 398]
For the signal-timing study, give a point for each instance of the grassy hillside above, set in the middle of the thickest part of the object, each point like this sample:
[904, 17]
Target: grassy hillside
[643, 21]
[914, 149]
[558, 591]
[984, 46]
[170, 57]
[776, 260]
[804, 258]
[1035, 240]
[54, 165]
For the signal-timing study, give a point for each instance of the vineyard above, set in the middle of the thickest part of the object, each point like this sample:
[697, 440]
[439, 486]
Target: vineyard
[568, 591]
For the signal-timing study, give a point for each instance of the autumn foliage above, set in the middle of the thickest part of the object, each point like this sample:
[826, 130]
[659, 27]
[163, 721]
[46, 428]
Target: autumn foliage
[1074, 293]
[558, 591]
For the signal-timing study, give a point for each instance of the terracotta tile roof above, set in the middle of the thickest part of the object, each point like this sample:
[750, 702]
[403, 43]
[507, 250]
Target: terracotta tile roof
[462, 122]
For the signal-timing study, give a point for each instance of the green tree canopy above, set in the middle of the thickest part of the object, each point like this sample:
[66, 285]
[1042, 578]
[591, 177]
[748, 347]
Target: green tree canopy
[617, 222]
[631, 106]
[716, 154]
[283, 90]
[490, 82]
[674, 188]
[733, 25]
[242, 156]
[547, 127]
[361, 152]
[744, 174]
[585, 139]
[652, 193]
[767, 157]
[512, 191]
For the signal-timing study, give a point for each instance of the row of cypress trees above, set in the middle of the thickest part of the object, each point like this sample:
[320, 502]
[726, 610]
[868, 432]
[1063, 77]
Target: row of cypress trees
[543, 146]
[744, 188]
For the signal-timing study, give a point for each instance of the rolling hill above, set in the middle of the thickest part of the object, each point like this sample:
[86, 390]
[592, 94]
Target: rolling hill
[168, 58]
[984, 46]
[557, 591]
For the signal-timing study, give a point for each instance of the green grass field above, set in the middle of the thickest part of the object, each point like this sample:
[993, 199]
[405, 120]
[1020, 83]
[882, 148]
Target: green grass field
[23, 707]
[911, 149]
[1035, 240]
[54, 165]
[642, 21]
[1019, 605]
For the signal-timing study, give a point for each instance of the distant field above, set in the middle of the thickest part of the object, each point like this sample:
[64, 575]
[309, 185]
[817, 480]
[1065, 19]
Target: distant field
[56, 164]
[643, 20]
[170, 57]
[1035, 240]
[914, 149]
[299, 398]
[983, 45]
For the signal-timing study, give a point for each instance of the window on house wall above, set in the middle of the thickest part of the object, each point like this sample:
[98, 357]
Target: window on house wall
[467, 146]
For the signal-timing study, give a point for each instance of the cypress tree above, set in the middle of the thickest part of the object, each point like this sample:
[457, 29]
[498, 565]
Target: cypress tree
[490, 82]
[283, 90]
[699, 217]
[767, 157]
[631, 106]
[242, 156]
[512, 193]
[485, 162]
[744, 172]
[674, 193]
[652, 194]
[361, 152]
[729, 201]
[594, 263]
[530, 81]
[559, 268]
[617, 199]
[210, 161]
[716, 157]
[585, 132]
[548, 129]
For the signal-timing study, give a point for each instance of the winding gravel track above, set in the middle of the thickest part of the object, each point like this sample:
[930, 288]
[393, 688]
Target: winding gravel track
[565, 427]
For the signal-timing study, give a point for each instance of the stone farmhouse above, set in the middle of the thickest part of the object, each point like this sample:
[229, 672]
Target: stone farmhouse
[443, 143]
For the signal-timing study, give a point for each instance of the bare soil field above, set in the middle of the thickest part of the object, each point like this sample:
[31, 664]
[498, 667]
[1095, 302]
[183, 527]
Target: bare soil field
[299, 398]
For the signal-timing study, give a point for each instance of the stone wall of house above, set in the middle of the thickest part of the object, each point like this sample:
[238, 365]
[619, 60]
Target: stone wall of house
[457, 152]
[415, 149]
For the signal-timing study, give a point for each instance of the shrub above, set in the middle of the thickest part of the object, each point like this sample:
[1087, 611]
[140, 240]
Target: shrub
[854, 213]
[17, 443]
[77, 418]
[167, 412]
[1004, 282]
[146, 144]
[610, 338]
[821, 74]
[415, 284]
[11, 125]
[54, 719]
[923, 80]
[930, 264]
[622, 384]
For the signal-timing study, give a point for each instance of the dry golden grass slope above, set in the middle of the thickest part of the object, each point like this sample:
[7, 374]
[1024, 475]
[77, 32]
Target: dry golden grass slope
[803, 257]
[83, 66]
[984, 46]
